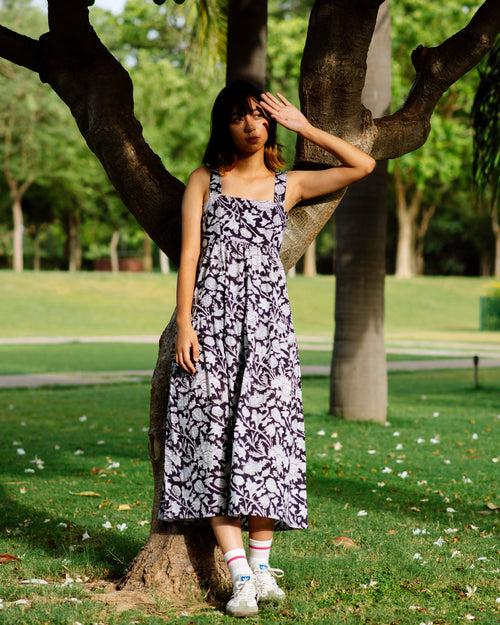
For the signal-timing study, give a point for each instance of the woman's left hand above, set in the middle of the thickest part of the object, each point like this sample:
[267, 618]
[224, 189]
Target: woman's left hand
[284, 112]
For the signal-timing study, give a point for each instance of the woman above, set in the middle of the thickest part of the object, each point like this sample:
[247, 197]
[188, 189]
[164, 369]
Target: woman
[234, 449]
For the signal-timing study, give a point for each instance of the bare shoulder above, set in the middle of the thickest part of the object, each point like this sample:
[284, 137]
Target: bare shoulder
[200, 175]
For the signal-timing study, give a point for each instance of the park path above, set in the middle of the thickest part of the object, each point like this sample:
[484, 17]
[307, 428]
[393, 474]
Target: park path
[413, 347]
[33, 380]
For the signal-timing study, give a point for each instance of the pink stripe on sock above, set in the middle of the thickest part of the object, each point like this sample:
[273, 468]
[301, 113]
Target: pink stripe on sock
[234, 558]
[252, 547]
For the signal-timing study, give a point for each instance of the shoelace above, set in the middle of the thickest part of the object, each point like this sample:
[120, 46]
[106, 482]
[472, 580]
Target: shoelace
[269, 581]
[245, 589]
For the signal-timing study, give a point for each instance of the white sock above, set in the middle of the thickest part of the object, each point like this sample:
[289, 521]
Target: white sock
[237, 563]
[259, 553]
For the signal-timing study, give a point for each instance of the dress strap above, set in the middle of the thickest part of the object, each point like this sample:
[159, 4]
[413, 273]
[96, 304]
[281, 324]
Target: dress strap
[280, 187]
[215, 183]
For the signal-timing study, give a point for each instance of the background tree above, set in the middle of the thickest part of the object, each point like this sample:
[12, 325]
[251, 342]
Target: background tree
[423, 178]
[486, 163]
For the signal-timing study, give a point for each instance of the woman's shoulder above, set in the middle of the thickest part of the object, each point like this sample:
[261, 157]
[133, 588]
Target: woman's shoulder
[200, 172]
[200, 175]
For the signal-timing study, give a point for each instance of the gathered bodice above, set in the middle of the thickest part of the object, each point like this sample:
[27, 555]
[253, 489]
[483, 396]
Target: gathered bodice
[244, 223]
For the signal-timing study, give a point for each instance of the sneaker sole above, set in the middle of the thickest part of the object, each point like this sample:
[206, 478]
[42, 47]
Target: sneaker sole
[243, 612]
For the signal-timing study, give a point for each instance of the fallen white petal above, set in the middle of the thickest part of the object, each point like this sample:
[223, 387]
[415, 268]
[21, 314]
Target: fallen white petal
[34, 580]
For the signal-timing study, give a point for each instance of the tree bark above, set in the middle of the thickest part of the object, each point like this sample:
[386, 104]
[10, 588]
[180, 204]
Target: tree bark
[405, 251]
[113, 251]
[247, 41]
[310, 260]
[147, 254]
[17, 234]
[74, 248]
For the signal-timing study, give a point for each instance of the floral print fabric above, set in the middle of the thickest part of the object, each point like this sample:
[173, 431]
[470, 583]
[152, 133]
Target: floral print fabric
[235, 429]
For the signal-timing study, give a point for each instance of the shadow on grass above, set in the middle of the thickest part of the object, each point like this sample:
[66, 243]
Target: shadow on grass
[110, 550]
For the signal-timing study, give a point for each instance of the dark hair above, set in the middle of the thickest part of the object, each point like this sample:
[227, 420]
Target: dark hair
[220, 152]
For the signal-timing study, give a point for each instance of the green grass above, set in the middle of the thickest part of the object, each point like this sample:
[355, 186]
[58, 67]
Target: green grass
[92, 303]
[70, 357]
[323, 582]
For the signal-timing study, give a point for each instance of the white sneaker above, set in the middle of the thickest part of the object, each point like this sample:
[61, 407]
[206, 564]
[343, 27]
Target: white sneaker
[267, 588]
[243, 601]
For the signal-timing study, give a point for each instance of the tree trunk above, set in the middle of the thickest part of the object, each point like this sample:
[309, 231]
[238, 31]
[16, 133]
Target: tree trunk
[359, 369]
[292, 272]
[74, 245]
[247, 41]
[405, 254]
[164, 262]
[147, 254]
[310, 260]
[17, 234]
[113, 251]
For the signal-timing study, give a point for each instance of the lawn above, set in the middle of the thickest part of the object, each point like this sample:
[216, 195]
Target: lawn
[111, 357]
[415, 495]
[92, 303]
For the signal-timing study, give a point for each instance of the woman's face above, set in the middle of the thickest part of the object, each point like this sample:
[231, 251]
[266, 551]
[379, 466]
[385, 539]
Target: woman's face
[249, 132]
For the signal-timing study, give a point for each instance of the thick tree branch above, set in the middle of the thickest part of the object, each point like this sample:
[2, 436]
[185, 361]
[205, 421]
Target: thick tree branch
[437, 68]
[333, 70]
[19, 49]
[99, 94]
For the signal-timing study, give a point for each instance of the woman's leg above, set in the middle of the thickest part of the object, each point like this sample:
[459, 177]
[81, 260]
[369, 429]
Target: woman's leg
[260, 528]
[227, 531]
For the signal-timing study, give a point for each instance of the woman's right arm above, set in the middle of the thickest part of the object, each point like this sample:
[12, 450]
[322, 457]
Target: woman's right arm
[192, 204]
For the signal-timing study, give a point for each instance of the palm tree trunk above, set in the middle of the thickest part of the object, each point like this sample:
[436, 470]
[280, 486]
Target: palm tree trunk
[247, 41]
[359, 369]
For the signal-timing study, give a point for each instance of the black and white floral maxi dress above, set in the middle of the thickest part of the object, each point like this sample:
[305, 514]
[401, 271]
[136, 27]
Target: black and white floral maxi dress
[235, 429]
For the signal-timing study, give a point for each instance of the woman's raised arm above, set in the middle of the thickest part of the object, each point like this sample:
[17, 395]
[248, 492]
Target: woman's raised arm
[308, 184]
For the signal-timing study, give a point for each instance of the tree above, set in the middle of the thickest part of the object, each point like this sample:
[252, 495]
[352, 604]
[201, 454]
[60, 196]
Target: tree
[486, 163]
[421, 179]
[98, 91]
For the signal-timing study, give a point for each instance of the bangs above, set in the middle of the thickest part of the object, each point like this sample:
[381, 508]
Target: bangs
[242, 104]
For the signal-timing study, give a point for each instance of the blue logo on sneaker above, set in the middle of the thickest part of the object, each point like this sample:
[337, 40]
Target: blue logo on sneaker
[244, 578]
[263, 567]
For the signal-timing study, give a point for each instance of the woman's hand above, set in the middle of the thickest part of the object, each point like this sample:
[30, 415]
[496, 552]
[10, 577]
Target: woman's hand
[284, 112]
[186, 339]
